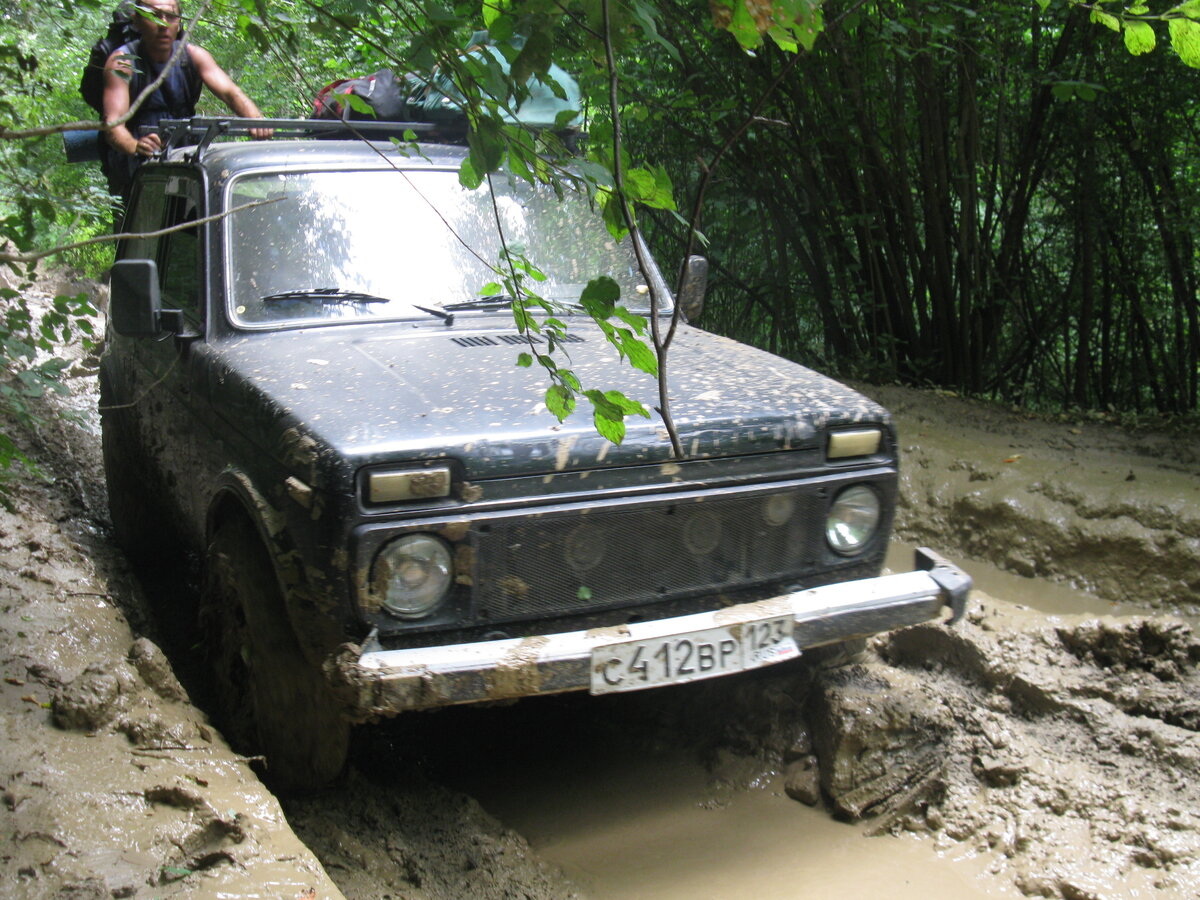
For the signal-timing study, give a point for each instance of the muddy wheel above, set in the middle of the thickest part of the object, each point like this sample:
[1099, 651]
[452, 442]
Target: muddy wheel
[271, 701]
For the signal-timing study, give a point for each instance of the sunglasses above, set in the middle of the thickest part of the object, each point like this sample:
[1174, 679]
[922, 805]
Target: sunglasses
[168, 18]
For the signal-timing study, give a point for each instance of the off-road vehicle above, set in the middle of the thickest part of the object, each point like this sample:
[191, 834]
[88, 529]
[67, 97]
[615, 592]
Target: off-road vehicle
[306, 383]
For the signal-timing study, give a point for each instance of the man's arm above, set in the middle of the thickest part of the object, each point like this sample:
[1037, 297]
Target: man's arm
[116, 104]
[218, 81]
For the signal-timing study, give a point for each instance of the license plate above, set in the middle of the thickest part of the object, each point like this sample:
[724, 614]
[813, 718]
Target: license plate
[679, 658]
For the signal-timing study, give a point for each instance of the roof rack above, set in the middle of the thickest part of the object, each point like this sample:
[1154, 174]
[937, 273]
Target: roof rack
[201, 131]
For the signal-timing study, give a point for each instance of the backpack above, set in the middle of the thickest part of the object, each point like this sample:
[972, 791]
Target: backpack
[383, 92]
[120, 31]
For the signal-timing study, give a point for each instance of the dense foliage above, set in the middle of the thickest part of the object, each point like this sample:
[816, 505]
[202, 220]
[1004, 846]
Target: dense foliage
[999, 198]
[985, 197]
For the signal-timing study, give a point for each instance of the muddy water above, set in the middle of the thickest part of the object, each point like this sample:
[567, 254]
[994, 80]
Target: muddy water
[1040, 595]
[651, 827]
[624, 821]
[629, 816]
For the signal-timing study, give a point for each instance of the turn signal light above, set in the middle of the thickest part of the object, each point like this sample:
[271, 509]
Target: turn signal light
[861, 442]
[399, 485]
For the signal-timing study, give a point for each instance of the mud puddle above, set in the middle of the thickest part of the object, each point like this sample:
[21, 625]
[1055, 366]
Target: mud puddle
[1038, 595]
[995, 763]
[623, 823]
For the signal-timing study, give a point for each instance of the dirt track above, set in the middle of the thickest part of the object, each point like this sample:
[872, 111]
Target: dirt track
[1059, 752]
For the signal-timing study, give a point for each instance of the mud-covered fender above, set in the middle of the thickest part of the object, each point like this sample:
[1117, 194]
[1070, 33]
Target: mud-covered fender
[309, 611]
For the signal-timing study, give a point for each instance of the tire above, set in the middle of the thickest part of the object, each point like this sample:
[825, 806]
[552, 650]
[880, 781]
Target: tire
[270, 700]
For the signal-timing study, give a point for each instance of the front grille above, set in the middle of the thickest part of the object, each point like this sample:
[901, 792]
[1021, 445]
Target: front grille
[572, 562]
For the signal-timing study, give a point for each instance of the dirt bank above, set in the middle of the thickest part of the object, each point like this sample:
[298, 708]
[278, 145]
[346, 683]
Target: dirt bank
[1083, 500]
[1058, 749]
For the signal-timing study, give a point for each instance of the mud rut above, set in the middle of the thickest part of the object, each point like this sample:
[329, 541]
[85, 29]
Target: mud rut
[1046, 746]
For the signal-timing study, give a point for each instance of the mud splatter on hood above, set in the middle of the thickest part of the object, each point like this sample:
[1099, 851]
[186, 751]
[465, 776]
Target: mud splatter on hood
[406, 392]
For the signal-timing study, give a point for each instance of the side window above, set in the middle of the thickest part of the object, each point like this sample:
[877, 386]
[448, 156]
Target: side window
[166, 201]
[145, 215]
[179, 255]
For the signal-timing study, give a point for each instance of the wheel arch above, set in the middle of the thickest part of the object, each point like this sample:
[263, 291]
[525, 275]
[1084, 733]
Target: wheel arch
[237, 496]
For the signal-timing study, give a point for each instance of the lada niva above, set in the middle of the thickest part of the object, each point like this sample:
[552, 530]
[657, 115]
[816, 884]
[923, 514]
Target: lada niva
[306, 383]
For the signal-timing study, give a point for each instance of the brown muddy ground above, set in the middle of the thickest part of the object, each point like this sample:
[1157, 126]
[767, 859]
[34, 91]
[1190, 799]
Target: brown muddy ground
[1046, 746]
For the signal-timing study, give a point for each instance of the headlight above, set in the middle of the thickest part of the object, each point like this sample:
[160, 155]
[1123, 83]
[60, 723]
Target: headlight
[779, 509]
[412, 574]
[701, 532]
[852, 519]
[584, 548]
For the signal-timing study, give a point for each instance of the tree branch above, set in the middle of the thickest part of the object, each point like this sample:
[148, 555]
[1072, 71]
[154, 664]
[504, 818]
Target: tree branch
[660, 348]
[9, 258]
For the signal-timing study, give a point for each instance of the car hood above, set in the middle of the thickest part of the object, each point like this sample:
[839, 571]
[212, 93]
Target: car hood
[386, 393]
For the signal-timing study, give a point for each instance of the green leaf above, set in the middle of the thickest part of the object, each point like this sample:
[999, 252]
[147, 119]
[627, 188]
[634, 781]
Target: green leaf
[486, 141]
[519, 159]
[609, 409]
[565, 117]
[358, 104]
[438, 14]
[743, 28]
[1185, 38]
[492, 10]
[595, 172]
[1108, 21]
[523, 320]
[600, 297]
[614, 217]
[633, 320]
[559, 401]
[468, 177]
[534, 58]
[643, 14]
[1139, 38]
[612, 429]
[524, 360]
[640, 355]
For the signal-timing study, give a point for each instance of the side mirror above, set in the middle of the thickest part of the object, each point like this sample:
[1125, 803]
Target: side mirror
[135, 303]
[692, 287]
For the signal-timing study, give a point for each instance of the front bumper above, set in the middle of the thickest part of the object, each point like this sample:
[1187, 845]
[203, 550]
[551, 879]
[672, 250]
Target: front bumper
[383, 682]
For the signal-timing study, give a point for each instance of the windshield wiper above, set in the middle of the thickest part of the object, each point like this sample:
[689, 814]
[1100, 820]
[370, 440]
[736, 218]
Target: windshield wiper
[326, 295]
[446, 317]
[493, 301]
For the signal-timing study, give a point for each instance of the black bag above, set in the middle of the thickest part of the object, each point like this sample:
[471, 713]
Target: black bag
[120, 31]
[381, 91]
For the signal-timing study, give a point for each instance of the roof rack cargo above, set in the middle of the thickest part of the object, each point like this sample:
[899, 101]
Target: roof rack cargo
[201, 131]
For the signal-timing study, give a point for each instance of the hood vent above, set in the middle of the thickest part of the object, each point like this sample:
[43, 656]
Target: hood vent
[483, 340]
[477, 341]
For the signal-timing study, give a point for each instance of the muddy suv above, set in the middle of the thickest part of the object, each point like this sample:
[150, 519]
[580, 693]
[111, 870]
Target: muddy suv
[305, 384]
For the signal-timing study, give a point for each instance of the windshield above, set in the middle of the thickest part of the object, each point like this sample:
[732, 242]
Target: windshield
[388, 244]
